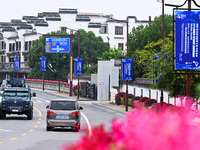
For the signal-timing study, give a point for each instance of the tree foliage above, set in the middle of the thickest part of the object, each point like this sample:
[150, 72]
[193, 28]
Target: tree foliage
[90, 47]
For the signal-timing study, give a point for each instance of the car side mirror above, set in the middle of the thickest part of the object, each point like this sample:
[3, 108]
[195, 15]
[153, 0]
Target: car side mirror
[47, 107]
[80, 108]
[34, 94]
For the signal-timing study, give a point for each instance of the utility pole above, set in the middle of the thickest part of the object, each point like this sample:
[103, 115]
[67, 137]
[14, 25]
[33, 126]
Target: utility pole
[188, 75]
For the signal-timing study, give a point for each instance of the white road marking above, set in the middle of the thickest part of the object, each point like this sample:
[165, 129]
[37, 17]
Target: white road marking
[88, 123]
[40, 100]
[4, 130]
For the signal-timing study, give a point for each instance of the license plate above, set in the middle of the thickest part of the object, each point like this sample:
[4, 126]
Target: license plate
[15, 110]
[62, 116]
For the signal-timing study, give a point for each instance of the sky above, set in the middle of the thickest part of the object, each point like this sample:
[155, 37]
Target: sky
[120, 9]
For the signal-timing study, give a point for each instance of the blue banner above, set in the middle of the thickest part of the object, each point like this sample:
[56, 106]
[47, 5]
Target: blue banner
[78, 66]
[43, 63]
[127, 65]
[57, 45]
[187, 40]
[16, 64]
[156, 75]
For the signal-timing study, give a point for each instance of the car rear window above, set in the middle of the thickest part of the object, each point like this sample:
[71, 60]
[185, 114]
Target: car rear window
[62, 105]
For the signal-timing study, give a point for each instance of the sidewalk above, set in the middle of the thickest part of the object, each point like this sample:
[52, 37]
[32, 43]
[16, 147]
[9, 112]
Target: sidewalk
[104, 104]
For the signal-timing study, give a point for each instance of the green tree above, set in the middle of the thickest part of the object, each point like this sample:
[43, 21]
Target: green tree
[140, 36]
[90, 47]
[112, 54]
[163, 67]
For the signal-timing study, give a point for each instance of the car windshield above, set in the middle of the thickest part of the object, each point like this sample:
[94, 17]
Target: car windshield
[22, 93]
[9, 93]
[62, 105]
[16, 93]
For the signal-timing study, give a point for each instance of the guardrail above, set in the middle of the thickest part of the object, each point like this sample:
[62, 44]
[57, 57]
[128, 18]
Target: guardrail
[54, 87]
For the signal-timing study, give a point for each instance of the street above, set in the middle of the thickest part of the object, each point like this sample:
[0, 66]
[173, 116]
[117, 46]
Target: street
[18, 133]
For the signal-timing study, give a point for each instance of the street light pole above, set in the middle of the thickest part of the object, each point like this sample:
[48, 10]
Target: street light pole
[108, 43]
[78, 57]
[71, 63]
[127, 80]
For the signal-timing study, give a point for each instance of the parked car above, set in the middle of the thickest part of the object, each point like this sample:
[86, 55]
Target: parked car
[63, 113]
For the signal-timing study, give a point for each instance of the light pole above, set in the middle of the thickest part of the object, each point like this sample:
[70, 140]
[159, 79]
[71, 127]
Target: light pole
[108, 43]
[71, 62]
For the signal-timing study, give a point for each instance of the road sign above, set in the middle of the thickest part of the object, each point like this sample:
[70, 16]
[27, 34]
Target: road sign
[127, 65]
[43, 63]
[57, 45]
[187, 41]
[78, 66]
[16, 64]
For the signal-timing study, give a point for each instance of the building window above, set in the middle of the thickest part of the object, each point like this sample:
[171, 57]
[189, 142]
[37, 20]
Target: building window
[63, 28]
[103, 29]
[26, 46]
[29, 45]
[121, 46]
[11, 59]
[19, 46]
[118, 30]
[11, 47]
[25, 58]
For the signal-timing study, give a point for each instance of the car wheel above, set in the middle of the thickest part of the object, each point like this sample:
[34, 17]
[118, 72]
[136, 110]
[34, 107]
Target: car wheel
[48, 128]
[30, 114]
[2, 115]
[76, 129]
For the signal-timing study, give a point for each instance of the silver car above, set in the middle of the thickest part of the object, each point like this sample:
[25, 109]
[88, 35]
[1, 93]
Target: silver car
[63, 113]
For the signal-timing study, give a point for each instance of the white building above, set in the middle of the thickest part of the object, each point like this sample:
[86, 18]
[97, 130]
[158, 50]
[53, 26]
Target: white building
[17, 36]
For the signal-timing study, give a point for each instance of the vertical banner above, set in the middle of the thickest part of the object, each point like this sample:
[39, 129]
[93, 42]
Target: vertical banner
[127, 65]
[187, 24]
[16, 64]
[43, 63]
[78, 66]
[155, 67]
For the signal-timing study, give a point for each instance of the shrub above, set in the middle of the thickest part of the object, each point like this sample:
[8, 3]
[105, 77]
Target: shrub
[75, 89]
[117, 97]
[130, 96]
[136, 98]
[158, 108]
[149, 102]
[136, 104]
[142, 99]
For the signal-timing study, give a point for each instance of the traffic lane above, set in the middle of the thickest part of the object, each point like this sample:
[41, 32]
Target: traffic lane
[14, 126]
[38, 137]
[100, 115]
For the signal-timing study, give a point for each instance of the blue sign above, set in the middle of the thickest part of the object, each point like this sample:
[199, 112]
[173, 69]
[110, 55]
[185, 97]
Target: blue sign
[57, 45]
[16, 64]
[156, 57]
[127, 65]
[187, 41]
[78, 66]
[43, 63]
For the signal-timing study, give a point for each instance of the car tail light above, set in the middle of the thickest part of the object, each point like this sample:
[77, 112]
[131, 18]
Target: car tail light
[75, 113]
[75, 125]
[50, 112]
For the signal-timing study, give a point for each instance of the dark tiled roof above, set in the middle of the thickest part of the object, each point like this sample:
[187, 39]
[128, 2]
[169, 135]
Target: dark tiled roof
[24, 27]
[43, 24]
[82, 18]
[8, 29]
[67, 11]
[29, 17]
[94, 25]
